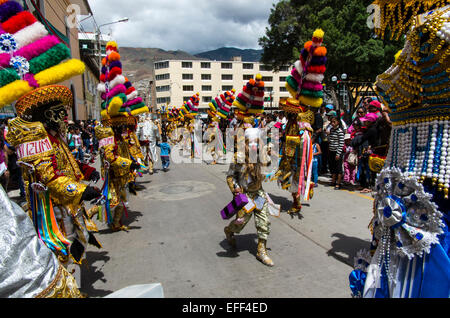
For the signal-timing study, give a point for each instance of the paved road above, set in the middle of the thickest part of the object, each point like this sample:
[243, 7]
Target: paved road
[177, 239]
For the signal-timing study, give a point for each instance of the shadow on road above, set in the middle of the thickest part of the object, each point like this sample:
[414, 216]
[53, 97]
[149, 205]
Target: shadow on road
[132, 217]
[245, 242]
[348, 246]
[92, 273]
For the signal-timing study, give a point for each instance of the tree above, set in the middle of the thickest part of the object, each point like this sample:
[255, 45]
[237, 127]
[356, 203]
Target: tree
[352, 46]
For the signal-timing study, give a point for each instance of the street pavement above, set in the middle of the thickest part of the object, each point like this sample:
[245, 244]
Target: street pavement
[176, 238]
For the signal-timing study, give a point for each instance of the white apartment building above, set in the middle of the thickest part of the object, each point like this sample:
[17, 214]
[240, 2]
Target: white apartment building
[177, 80]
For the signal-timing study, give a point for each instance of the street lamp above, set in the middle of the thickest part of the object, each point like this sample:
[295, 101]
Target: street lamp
[99, 46]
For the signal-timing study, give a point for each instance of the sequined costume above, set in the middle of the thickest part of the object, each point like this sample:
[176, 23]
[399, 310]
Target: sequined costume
[35, 272]
[409, 254]
[32, 66]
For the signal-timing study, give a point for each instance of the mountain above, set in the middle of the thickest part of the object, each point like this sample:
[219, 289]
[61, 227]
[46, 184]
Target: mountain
[227, 54]
[137, 63]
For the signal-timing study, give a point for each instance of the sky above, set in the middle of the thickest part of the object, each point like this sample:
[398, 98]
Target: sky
[193, 26]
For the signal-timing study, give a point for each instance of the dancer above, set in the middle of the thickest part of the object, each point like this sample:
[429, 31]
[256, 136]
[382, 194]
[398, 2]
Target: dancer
[118, 167]
[53, 179]
[305, 86]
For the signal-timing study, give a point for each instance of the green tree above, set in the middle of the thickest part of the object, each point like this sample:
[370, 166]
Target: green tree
[352, 46]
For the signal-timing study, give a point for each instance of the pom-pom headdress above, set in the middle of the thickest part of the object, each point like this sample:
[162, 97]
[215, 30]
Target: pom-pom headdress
[190, 108]
[221, 105]
[305, 81]
[120, 98]
[250, 101]
[31, 59]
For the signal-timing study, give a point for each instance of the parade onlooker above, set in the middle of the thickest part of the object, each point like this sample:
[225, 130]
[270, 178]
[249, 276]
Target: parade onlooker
[317, 152]
[375, 108]
[336, 145]
[350, 161]
[165, 153]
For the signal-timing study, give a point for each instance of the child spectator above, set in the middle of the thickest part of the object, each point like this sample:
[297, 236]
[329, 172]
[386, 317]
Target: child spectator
[165, 152]
[336, 140]
[350, 161]
[317, 152]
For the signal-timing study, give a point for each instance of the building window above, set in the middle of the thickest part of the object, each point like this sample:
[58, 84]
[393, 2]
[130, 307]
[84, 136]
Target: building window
[206, 99]
[283, 78]
[205, 65]
[186, 64]
[227, 77]
[227, 65]
[162, 77]
[284, 69]
[160, 65]
[283, 89]
[263, 67]
[164, 88]
[267, 79]
[268, 89]
[188, 88]
[163, 100]
[247, 66]
[247, 77]
[188, 76]
[227, 87]
[206, 77]
[186, 98]
[206, 88]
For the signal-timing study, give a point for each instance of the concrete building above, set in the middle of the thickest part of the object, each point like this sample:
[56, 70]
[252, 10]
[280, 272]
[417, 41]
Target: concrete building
[177, 80]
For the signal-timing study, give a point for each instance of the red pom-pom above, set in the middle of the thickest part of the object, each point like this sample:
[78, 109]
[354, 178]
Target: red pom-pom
[316, 69]
[103, 78]
[114, 72]
[18, 22]
[130, 90]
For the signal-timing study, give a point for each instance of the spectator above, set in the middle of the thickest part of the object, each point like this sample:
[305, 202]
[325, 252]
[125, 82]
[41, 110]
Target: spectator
[316, 159]
[4, 172]
[363, 142]
[86, 137]
[336, 145]
[360, 113]
[165, 152]
[350, 161]
[375, 108]
[76, 136]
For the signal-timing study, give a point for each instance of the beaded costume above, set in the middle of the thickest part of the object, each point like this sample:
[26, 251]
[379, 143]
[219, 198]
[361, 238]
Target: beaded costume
[409, 255]
[32, 63]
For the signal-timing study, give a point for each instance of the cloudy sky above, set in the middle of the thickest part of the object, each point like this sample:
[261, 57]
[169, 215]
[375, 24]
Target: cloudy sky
[189, 25]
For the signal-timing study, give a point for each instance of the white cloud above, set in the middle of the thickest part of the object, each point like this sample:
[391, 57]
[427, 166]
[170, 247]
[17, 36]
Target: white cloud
[189, 25]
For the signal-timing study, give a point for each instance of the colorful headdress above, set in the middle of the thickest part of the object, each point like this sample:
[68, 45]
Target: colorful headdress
[417, 91]
[221, 105]
[251, 99]
[190, 108]
[305, 81]
[31, 59]
[120, 98]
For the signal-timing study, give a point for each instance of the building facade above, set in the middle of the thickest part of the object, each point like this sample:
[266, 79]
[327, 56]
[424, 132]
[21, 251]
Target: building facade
[177, 80]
